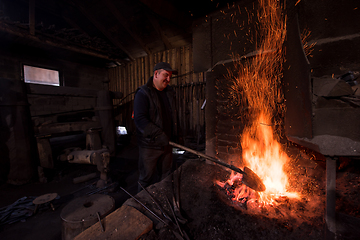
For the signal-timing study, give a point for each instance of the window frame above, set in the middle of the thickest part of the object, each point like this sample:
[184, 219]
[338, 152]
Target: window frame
[42, 67]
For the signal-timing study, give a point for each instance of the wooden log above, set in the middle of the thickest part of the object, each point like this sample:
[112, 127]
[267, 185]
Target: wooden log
[124, 223]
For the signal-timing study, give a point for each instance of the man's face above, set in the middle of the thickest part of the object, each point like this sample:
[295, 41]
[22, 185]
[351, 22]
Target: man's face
[161, 79]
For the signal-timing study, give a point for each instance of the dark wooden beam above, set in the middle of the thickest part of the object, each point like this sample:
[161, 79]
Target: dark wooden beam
[100, 27]
[63, 10]
[32, 16]
[50, 41]
[37, 89]
[67, 13]
[124, 22]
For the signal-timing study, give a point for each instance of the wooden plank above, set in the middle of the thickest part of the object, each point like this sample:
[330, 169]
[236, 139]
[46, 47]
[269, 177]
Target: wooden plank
[151, 64]
[124, 223]
[127, 79]
[122, 76]
[187, 63]
[131, 75]
[168, 57]
[132, 78]
[136, 73]
[191, 68]
[178, 63]
[146, 70]
[37, 89]
[142, 71]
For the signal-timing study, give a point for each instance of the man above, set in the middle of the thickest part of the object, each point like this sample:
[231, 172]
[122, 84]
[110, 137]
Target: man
[156, 123]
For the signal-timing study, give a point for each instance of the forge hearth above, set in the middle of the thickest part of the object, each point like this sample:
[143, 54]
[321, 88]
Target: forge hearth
[211, 214]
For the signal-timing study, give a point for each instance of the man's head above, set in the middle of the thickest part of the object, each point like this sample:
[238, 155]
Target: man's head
[162, 75]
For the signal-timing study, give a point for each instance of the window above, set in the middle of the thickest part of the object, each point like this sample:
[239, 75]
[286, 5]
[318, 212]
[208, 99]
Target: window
[41, 76]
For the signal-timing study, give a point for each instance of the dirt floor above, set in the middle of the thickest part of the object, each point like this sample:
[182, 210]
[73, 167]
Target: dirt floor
[208, 210]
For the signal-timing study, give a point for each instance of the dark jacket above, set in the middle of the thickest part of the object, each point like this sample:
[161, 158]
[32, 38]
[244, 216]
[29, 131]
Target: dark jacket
[151, 134]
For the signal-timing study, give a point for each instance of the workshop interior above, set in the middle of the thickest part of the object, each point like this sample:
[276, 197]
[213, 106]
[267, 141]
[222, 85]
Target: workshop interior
[268, 102]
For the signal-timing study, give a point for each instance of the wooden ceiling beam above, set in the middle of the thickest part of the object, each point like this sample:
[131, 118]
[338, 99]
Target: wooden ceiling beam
[124, 22]
[57, 43]
[67, 13]
[101, 27]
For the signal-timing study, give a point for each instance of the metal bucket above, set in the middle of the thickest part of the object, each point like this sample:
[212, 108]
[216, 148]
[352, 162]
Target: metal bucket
[81, 213]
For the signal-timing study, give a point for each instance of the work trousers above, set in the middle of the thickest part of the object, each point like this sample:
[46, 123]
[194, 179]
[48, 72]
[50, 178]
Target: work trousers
[154, 165]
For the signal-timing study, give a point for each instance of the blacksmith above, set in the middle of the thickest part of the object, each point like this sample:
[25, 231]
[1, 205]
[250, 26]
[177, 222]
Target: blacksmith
[156, 123]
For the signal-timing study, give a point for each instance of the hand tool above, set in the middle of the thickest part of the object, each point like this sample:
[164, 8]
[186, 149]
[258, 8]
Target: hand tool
[250, 178]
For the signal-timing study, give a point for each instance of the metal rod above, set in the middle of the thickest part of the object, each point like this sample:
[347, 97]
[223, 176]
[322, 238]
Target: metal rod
[145, 207]
[173, 213]
[102, 226]
[157, 204]
[208, 157]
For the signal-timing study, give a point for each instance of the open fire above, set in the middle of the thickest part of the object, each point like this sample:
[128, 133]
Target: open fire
[257, 84]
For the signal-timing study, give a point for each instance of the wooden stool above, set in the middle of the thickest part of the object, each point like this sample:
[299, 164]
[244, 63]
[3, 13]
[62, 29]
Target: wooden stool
[46, 198]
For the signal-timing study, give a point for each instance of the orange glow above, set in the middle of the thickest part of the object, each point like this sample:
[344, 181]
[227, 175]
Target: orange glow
[257, 84]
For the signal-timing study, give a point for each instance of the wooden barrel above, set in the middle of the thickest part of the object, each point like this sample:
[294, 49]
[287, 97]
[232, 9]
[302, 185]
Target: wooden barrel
[81, 213]
[17, 142]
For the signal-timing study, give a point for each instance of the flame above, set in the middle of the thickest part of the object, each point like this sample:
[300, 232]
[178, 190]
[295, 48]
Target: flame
[265, 156]
[258, 85]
